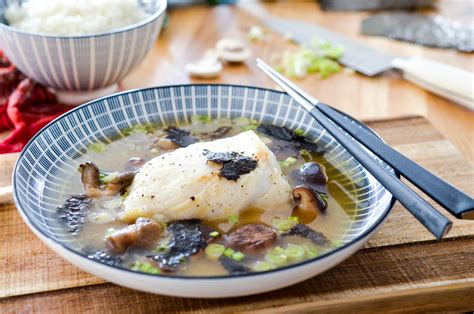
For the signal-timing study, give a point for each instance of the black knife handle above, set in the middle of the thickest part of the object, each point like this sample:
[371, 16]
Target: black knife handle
[455, 201]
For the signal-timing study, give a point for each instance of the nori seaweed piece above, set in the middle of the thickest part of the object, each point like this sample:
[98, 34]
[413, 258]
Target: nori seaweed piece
[233, 164]
[304, 231]
[179, 136]
[187, 237]
[233, 267]
[284, 134]
[73, 212]
[431, 31]
[104, 258]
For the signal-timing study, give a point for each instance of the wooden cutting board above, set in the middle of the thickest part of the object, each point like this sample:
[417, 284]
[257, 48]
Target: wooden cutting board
[402, 266]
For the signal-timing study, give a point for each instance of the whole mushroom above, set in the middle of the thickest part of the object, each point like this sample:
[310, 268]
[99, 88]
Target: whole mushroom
[308, 202]
[232, 50]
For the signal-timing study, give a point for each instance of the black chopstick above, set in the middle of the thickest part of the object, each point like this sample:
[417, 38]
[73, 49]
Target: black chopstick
[432, 219]
[452, 199]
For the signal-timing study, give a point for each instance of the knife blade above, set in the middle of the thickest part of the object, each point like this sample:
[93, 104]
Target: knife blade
[445, 80]
[359, 57]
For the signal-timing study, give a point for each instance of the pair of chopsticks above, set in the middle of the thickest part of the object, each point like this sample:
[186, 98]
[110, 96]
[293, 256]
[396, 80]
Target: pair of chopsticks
[454, 200]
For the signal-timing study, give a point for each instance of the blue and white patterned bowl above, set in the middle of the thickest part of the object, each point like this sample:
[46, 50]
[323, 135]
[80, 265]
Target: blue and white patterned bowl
[81, 62]
[47, 167]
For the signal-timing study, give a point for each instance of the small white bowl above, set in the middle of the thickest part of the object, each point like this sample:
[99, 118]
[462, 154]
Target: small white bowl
[82, 67]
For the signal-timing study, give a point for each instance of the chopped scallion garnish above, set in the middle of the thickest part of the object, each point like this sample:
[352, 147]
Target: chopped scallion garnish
[310, 250]
[214, 234]
[238, 256]
[229, 252]
[299, 132]
[96, 147]
[140, 128]
[201, 118]
[145, 268]
[288, 162]
[214, 251]
[233, 219]
[295, 253]
[263, 266]
[162, 248]
[284, 225]
[306, 155]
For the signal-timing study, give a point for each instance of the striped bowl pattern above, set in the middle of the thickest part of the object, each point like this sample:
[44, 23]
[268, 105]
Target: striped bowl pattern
[82, 62]
[46, 173]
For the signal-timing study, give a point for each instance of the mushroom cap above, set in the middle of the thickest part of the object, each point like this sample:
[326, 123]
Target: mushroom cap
[232, 50]
[204, 68]
[313, 172]
[308, 199]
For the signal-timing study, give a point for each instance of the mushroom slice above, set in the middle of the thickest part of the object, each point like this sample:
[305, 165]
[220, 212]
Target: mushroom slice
[308, 200]
[114, 182]
[232, 50]
[204, 68]
[251, 238]
[166, 143]
[118, 183]
[89, 175]
[143, 233]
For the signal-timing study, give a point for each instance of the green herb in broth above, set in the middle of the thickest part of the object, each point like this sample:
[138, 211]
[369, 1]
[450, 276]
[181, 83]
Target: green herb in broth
[284, 250]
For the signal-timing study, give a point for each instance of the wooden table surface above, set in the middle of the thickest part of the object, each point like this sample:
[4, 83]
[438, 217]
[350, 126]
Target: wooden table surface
[402, 267]
[193, 30]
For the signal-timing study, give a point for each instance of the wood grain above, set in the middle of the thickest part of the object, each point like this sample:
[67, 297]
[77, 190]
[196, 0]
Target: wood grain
[29, 267]
[195, 29]
[370, 280]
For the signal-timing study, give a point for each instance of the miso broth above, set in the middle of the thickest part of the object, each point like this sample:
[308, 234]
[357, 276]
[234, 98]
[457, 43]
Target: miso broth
[282, 237]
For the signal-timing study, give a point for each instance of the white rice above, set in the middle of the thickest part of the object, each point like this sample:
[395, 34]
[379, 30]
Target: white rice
[74, 17]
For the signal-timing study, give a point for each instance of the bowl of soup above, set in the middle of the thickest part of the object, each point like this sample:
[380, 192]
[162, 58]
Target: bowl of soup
[197, 191]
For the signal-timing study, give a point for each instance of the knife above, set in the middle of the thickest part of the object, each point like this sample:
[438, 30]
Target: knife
[450, 82]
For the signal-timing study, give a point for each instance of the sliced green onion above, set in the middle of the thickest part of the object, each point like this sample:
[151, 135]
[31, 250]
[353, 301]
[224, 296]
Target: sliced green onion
[295, 253]
[278, 250]
[110, 177]
[96, 147]
[214, 234]
[238, 256]
[124, 196]
[310, 250]
[214, 251]
[276, 258]
[140, 128]
[288, 162]
[201, 118]
[145, 268]
[306, 155]
[233, 219]
[299, 132]
[284, 225]
[250, 127]
[319, 57]
[162, 248]
[336, 243]
[229, 252]
[263, 266]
